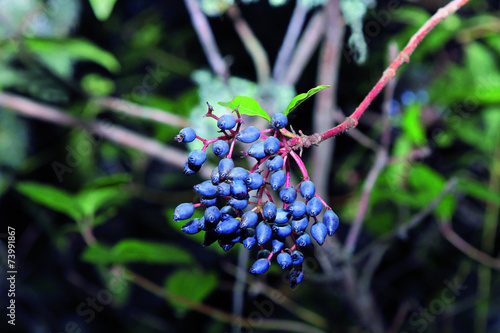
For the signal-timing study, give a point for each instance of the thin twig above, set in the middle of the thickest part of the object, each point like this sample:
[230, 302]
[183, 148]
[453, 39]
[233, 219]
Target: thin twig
[389, 73]
[252, 45]
[356, 134]
[207, 39]
[102, 128]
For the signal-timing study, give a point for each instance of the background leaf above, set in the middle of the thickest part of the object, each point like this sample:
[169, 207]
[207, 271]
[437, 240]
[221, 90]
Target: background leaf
[102, 8]
[246, 105]
[299, 99]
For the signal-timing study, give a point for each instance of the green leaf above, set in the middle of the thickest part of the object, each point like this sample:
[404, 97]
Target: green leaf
[412, 124]
[102, 8]
[194, 285]
[246, 105]
[51, 197]
[299, 99]
[92, 199]
[478, 190]
[135, 250]
[74, 49]
[97, 85]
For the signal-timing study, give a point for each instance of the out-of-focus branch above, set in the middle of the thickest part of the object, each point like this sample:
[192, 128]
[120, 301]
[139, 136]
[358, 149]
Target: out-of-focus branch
[103, 128]
[252, 45]
[290, 40]
[207, 39]
[143, 112]
[305, 48]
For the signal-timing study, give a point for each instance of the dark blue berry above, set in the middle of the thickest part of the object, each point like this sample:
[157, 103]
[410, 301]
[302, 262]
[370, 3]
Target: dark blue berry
[239, 189]
[282, 216]
[274, 163]
[183, 211]
[192, 227]
[271, 145]
[228, 226]
[215, 178]
[263, 233]
[284, 260]
[254, 181]
[186, 135]
[226, 122]
[237, 173]
[209, 201]
[303, 240]
[225, 166]
[277, 244]
[307, 189]
[212, 214]
[278, 179]
[297, 258]
[318, 232]
[206, 189]
[220, 148]
[257, 150]
[225, 246]
[269, 211]
[260, 266]
[288, 195]
[297, 208]
[300, 224]
[238, 203]
[279, 120]
[296, 277]
[314, 207]
[197, 157]
[210, 237]
[190, 169]
[331, 220]
[282, 230]
[224, 189]
[227, 212]
[249, 219]
[263, 254]
[248, 135]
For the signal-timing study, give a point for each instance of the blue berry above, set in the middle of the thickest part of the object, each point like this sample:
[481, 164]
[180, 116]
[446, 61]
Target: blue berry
[197, 157]
[215, 177]
[239, 189]
[300, 224]
[225, 166]
[282, 216]
[186, 134]
[284, 260]
[288, 195]
[263, 254]
[237, 173]
[206, 189]
[192, 227]
[249, 219]
[277, 244]
[271, 145]
[209, 201]
[257, 150]
[227, 212]
[263, 233]
[269, 211]
[260, 266]
[210, 237]
[297, 258]
[228, 226]
[296, 277]
[212, 214]
[307, 189]
[331, 220]
[248, 135]
[279, 120]
[238, 203]
[224, 189]
[254, 181]
[318, 232]
[297, 209]
[190, 169]
[249, 239]
[282, 230]
[303, 240]
[202, 225]
[220, 148]
[278, 179]
[226, 122]
[183, 211]
[274, 163]
[314, 206]
[225, 246]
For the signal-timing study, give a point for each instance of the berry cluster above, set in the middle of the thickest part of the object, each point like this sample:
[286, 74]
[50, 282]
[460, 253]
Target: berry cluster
[239, 205]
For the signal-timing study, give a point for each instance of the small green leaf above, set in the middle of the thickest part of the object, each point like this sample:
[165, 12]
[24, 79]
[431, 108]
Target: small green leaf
[102, 8]
[246, 105]
[412, 124]
[299, 99]
[193, 285]
[51, 197]
[134, 250]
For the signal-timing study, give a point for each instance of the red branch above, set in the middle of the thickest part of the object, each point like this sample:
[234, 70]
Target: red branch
[389, 73]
